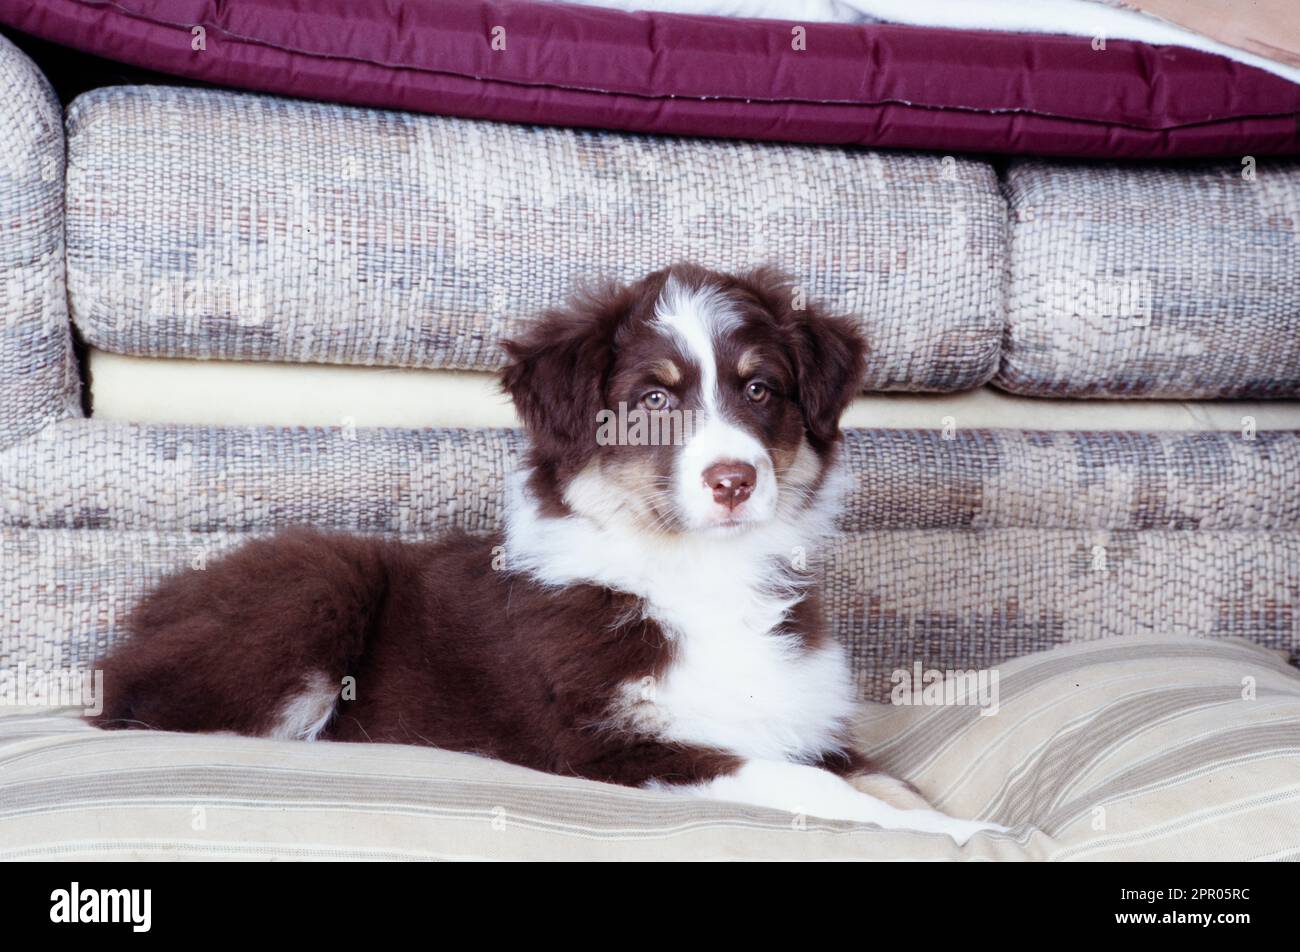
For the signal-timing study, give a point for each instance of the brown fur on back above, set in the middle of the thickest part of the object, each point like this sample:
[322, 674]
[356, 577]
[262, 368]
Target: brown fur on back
[445, 651]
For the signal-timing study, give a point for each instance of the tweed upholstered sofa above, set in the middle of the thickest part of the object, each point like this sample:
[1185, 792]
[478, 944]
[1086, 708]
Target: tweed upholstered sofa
[1162, 565]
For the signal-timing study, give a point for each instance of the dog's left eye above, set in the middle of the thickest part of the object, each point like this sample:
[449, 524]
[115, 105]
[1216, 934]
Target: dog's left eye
[757, 391]
[655, 400]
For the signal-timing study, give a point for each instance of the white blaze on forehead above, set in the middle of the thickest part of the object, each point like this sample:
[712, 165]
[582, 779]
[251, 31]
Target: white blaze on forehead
[696, 316]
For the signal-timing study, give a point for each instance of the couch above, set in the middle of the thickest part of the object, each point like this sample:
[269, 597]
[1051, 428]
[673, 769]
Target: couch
[1150, 572]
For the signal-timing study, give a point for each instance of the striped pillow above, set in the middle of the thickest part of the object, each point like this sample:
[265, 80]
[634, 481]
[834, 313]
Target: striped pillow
[1126, 748]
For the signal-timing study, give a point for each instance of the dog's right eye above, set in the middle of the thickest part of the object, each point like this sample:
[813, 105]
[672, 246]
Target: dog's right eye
[655, 400]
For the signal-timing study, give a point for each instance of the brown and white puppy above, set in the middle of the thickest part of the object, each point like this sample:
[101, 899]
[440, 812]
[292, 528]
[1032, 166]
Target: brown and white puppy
[643, 619]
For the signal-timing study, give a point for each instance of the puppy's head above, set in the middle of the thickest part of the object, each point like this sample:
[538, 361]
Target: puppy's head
[690, 401]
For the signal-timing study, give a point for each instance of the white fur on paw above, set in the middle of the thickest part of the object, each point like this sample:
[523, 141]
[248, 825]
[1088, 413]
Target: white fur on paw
[803, 789]
[932, 821]
[890, 790]
[962, 830]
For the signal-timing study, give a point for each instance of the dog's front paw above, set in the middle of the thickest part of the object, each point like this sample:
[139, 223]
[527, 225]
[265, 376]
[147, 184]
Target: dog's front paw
[962, 830]
[897, 793]
[932, 821]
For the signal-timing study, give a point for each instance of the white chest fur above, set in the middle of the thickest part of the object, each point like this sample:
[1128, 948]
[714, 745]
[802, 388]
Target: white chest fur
[737, 681]
[739, 684]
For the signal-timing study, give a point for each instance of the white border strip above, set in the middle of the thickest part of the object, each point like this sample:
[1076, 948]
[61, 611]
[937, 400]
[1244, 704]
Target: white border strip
[235, 393]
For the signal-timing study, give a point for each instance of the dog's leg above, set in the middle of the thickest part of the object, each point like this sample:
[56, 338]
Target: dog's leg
[891, 790]
[858, 769]
[803, 789]
[257, 643]
[796, 788]
[654, 765]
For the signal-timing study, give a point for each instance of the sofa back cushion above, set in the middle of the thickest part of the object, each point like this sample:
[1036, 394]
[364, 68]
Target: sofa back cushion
[38, 380]
[224, 225]
[1176, 282]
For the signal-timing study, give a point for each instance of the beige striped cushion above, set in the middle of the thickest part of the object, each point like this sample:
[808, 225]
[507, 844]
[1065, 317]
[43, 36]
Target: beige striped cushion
[1124, 748]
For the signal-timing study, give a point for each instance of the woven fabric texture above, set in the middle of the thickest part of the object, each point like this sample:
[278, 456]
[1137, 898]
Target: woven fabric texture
[88, 474]
[958, 599]
[953, 598]
[1153, 281]
[1124, 749]
[38, 383]
[215, 224]
[967, 550]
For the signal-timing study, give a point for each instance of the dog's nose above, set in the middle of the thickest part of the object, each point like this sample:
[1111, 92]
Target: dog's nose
[731, 482]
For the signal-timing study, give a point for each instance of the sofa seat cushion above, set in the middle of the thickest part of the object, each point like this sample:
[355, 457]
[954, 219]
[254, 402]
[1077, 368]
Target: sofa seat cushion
[951, 597]
[215, 224]
[962, 547]
[1135, 748]
[121, 477]
[1172, 282]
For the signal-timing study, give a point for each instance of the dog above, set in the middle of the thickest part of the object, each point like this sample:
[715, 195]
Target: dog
[644, 618]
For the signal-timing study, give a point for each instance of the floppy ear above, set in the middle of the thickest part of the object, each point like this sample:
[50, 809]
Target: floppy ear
[829, 354]
[558, 369]
[827, 351]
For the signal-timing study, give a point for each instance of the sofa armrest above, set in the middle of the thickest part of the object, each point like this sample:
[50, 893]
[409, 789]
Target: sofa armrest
[38, 379]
